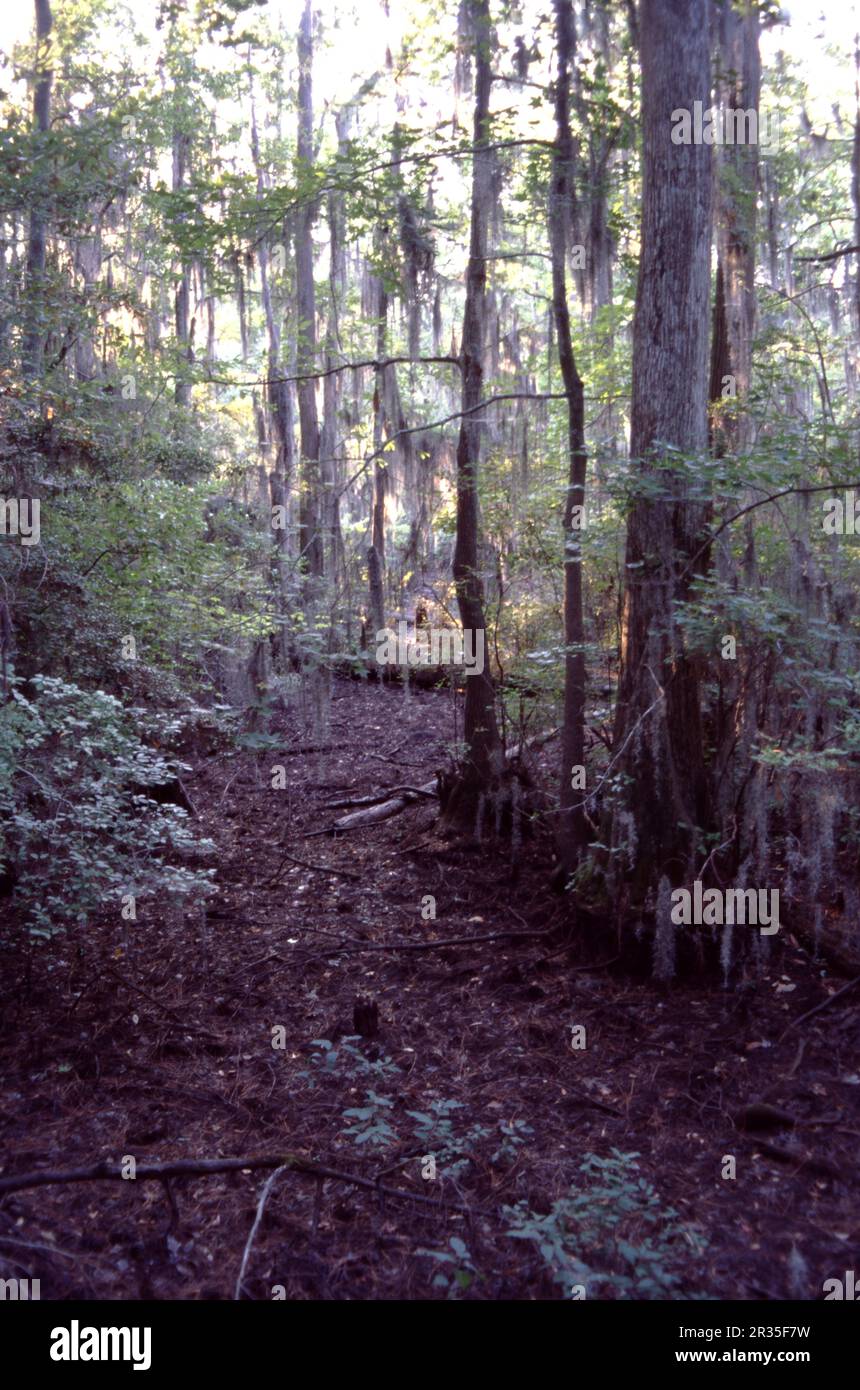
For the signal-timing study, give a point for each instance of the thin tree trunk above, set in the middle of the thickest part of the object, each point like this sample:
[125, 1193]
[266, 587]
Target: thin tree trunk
[33, 337]
[311, 541]
[855, 187]
[483, 761]
[280, 402]
[182, 302]
[572, 826]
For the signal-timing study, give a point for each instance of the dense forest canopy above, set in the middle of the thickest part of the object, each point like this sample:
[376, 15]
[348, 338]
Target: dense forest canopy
[507, 350]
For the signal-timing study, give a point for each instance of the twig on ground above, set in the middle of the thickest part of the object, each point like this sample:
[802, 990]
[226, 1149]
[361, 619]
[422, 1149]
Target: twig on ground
[180, 1022]
[349, 943]
[261, 1206]
[825, 1004]
[305, 864]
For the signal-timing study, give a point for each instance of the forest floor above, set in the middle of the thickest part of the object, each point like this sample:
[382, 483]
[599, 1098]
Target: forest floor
[164, 1050]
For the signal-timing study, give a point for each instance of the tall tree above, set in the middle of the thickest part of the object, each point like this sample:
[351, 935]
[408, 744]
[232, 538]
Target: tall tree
[311, 541]
[658, 745]
[572, 828]
[737, 89]
[483, 760]
[33, 337]
[182, 300]
[279, 395]
[855, 181]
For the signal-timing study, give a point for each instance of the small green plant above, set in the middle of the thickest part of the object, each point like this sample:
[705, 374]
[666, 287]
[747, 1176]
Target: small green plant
[613, 1235]
[514, 1135]
[435, 1131]
[371, 1127]
[346, 1061]
[458, 1270]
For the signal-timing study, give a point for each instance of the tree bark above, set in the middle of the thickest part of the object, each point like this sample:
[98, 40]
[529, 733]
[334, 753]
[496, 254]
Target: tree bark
[33, 337]
[658, 746]
[483, 761]
[738, 88]
[182, 301]
[311, 540]
[573, 825]
[280, 402]
[855, 186]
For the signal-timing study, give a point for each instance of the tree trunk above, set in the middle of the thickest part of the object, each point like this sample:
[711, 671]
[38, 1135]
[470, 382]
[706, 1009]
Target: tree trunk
[377, 539]
[736, 190]
[33, 337]
[182, 302]
[855, 187]
[572, 825]
[280, 402]
[483, 761]
[738, 88]
[311, 541]
[658, 748]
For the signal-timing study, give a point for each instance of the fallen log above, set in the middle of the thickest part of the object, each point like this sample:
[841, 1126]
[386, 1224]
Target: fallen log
[408, 796]
[205, 1167]
[374, 799]
[395, 804]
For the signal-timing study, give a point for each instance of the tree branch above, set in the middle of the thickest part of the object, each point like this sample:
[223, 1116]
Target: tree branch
[830, 255]
[205, 1167]
[332, 371]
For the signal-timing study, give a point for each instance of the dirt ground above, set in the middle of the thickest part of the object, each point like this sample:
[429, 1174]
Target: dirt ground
[164, 1049]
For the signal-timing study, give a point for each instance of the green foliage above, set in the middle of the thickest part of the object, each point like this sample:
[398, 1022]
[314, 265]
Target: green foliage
[345, 1062]
[371, 1125]
[435, 1131]
[611, 1235]
[74, 820]
[515, 1136]
[458, 1271]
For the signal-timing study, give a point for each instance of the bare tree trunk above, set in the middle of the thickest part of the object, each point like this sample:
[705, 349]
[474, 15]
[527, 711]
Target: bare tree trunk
[855, 186]
[377, 538]
[280, 402]
[658, 736]
[33, 337]
[736, 192]
[735, 215]
[5, 286]
[182, 302]
[376, 591]
[332, 469]
[88, 259]
[483, 762]
[572, 824]
[311, 541]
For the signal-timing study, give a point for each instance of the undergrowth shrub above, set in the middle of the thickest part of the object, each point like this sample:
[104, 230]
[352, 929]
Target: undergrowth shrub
[611, 1236]
[77, 831]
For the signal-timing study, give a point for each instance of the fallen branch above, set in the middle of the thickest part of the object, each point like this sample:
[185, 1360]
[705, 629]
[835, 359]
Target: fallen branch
[815, 1165]
[825, 1004]
[376, 797]
[205, 1167]
[315, 748]
[261, 1207]
[349, 943]
[177, 1019]
[306, 864]
[408, 795]
[392, 807]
